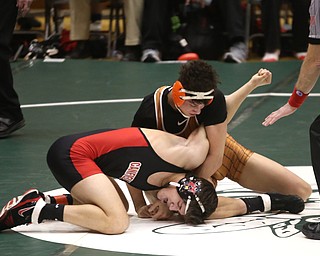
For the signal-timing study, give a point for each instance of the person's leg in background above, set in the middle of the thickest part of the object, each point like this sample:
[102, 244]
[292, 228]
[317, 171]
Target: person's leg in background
[80, 13]
[96, 15]
[312, 229]
[133, 11]
[156, 27]
[300, 27]
[315, 148]
[233, 18]
[11, 117]
[270, 15]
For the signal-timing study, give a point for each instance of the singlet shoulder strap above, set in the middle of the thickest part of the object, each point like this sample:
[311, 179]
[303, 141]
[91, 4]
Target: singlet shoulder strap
[192, 123]
[158, 94]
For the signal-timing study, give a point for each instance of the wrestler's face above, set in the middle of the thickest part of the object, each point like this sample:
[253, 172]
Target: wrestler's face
[171, 198]
[191, 107]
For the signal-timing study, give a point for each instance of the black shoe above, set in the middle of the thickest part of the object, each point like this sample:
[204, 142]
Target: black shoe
[8, 126]
[82, 51]
[311, 230]
[289, 203]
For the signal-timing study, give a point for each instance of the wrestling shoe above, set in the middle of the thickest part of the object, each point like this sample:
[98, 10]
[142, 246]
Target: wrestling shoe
[311, 230]
[289, 203]
[24, 209]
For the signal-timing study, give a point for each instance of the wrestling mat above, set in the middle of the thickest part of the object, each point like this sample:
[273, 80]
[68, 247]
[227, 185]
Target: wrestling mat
[267, 233]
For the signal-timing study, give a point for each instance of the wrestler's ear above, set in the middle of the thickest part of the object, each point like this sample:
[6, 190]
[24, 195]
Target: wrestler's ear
[209, 102]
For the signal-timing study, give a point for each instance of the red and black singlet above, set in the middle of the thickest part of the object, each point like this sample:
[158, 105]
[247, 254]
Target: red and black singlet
[125, 154]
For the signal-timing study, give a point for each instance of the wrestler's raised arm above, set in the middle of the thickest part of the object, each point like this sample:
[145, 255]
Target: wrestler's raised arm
[235, 99]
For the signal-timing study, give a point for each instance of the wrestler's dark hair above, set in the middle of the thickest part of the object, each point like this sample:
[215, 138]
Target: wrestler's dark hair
[209, 199]
[198, 76]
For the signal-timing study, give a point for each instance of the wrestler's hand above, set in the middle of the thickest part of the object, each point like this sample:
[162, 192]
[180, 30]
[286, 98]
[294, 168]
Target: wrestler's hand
[262, 77]
[285, 110]
[24, 6]
[143, 212]
[160, 211]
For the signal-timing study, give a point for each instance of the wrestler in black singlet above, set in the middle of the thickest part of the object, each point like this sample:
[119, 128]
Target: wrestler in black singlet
[173, 121]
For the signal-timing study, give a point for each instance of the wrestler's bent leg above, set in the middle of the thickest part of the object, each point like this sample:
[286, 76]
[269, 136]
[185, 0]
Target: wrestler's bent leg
[102, 211]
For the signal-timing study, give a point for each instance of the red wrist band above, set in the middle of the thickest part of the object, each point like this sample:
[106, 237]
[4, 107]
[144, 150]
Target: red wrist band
[297, 98]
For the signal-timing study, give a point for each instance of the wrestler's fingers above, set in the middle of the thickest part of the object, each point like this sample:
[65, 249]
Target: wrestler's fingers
[261, 71]
[272, 118]
[153, 209]
[268, 121]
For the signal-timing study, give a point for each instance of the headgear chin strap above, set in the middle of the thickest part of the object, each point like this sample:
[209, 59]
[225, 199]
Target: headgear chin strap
[188, 189]
[179, 94]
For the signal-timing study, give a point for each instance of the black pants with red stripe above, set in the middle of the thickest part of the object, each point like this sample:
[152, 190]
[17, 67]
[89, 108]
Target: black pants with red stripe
[315, 148]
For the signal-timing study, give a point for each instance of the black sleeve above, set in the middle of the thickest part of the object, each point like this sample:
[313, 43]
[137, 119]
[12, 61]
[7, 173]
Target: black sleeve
[216, 112]
[313, 40]
[145, 115]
